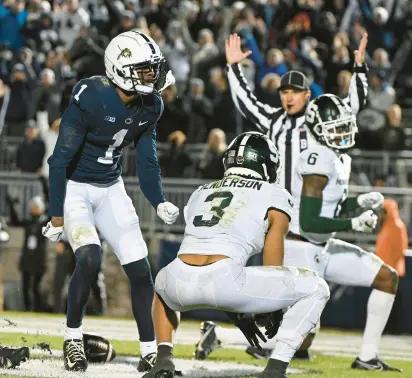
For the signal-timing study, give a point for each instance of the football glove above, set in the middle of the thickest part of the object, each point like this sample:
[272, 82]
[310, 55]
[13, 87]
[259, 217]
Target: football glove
[366, 222]
[246, 323]
[271, 321]
[167, 212]
[51, 232]
[372, 200]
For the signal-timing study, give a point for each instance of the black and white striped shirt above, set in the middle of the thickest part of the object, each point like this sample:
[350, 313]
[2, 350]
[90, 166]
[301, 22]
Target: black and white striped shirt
[288, 132]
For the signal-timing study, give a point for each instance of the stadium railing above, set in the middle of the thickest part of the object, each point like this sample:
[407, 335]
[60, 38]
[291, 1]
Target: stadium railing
[367, 166]
[25, 186]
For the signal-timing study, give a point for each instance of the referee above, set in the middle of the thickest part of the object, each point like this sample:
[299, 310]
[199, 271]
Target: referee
[285, 125]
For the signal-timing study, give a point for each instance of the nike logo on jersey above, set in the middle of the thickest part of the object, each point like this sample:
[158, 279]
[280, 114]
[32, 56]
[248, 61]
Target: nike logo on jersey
[142, 123]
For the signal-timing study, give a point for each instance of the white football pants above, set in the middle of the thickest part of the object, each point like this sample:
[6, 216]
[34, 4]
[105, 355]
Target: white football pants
[226, 285]
[108, 208]
[338, 262]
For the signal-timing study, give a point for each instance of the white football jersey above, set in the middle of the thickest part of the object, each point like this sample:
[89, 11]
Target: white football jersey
[229, 217]
[321, 160]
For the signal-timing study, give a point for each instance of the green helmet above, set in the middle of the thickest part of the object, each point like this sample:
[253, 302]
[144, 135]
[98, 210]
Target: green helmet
[331, 122]
[252, 155]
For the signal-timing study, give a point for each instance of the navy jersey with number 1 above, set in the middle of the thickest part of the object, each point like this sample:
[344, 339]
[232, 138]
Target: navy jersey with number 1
[93, 131]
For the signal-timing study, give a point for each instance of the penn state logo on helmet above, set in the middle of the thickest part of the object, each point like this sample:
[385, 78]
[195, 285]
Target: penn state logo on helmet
[331, 122]
[252, 155]
[134, 62]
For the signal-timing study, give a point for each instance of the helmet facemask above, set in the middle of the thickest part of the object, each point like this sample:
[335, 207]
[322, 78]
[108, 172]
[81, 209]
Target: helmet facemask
[145, 75]
[338, 134]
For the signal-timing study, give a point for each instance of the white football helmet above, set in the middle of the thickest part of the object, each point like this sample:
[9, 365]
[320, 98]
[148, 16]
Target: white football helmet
[130, 57]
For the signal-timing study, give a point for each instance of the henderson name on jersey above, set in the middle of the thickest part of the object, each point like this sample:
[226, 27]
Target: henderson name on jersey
[229, 217]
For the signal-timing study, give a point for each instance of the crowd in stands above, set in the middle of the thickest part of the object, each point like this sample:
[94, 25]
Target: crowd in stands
[47, 46]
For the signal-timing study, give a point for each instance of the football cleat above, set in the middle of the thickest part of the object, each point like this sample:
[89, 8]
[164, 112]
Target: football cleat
[162, 369]
[373, 364]
[208, 340]
[266, 374]
[12, 357]
[74, 356]
[260, 354]
[146, 362]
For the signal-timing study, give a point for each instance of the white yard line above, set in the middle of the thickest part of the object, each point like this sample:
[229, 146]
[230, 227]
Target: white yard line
[391, 347]
[53, 368]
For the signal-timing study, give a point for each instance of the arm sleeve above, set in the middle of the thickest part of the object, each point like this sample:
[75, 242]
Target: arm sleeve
[358, 89]
[349, 205]
[147, 167]
[73, 129]
[311, 221]
[251, 44]
[247, 103]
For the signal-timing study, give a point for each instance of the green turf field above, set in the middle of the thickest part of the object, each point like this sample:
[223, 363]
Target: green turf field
[321, 365]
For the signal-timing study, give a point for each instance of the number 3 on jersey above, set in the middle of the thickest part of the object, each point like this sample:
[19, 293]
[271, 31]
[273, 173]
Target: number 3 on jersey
[220, 200]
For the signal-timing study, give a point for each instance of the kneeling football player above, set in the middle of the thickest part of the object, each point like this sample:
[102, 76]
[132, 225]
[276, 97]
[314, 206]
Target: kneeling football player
[228, 221]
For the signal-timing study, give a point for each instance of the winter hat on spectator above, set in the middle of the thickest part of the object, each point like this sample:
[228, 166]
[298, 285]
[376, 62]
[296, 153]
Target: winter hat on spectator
[294, 80]
[128, 14]
[238, 6]
[48, 72]
[18, 67]
[31, 124]
[38, 201]
[198, 82]
[45, 6]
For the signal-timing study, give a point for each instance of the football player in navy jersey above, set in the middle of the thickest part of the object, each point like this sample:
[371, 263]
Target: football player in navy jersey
[105, 114]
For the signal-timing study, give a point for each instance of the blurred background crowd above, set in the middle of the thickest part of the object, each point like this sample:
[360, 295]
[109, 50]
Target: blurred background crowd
[47, 46]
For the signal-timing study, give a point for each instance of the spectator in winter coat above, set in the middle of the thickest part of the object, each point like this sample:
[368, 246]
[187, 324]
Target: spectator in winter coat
[12, 18]
[210, 164]
[33, 254]
[31, 152]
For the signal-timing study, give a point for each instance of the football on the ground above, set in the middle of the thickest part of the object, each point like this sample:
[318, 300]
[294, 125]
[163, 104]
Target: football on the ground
[97, 348]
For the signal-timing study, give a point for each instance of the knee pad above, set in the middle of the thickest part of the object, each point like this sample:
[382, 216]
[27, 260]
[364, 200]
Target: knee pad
[138, 270]
[89, 257]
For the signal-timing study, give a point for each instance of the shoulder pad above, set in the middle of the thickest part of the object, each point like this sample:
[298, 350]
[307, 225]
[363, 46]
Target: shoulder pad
[316, 160]
[281, 200]
[86, 94]
[154, 104]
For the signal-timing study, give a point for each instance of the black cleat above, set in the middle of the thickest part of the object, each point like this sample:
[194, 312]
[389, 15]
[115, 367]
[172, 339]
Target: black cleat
[260, 354]
[13, 357]
[374, 364]
[265, 374]
[208, 340]
[147, 362]
[162, 369]
[74, 356]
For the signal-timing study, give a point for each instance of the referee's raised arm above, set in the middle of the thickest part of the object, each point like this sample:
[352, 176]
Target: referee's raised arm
[246, 102]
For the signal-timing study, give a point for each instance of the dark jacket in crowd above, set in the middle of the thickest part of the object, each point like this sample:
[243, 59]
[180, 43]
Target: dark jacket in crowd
[33, 252]
[30, 155]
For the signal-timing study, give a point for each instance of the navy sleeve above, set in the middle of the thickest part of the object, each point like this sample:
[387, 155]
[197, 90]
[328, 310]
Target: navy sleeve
[147, 168]
[73, 129]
